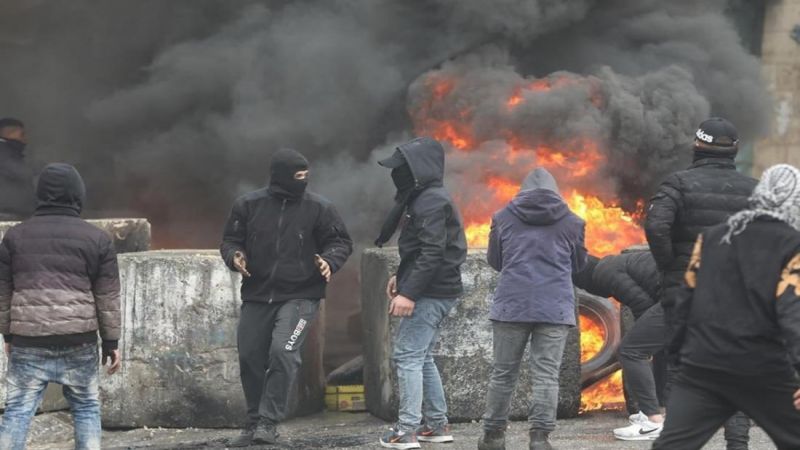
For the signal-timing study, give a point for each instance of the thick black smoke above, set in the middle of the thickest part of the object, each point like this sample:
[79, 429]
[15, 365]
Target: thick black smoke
[171, 109]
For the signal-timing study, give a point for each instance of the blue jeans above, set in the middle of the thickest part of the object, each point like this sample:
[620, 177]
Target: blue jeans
[547, 350]
[421, 392]
[30, 369]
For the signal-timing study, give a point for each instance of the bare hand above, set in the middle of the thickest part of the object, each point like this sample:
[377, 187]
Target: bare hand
[401, 306]
[391, 288]
[797, 400]
[324, 267]
[240, 263]
[113, 361]
[8, 348]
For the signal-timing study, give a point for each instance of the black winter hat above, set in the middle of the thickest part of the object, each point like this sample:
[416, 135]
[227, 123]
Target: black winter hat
[716, 133]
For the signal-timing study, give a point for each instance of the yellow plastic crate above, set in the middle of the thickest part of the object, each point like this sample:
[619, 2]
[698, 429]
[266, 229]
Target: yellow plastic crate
[345, 398]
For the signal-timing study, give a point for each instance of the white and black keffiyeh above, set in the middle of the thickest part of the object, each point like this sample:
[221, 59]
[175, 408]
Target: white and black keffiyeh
[777, 195]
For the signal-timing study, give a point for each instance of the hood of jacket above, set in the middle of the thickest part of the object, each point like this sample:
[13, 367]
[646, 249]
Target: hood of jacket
[60, 190]
[425, 157]
[539, 202]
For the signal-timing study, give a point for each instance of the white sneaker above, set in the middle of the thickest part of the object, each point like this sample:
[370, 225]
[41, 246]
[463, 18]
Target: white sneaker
[646, 431]
[639, 417]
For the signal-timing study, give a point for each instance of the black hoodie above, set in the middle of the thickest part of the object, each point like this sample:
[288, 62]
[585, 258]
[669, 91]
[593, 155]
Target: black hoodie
[280, 228]
[432, 243]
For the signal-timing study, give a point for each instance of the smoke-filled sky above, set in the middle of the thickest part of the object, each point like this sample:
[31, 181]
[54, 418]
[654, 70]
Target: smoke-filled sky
[171, 109]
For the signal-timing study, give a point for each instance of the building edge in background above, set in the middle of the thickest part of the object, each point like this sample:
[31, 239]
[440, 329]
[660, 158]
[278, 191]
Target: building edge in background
[780, 54]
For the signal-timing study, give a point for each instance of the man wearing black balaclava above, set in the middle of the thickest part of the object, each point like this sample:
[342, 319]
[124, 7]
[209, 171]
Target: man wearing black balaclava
[687, 204]
[432, 248]
[17, 198]
[286, 243]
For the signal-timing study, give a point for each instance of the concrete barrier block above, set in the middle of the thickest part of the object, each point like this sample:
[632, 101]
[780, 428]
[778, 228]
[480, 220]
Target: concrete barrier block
[464, 351]
[129, 235]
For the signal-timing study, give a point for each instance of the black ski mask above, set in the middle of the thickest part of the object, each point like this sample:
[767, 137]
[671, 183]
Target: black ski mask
[16, 145]
[285, 163]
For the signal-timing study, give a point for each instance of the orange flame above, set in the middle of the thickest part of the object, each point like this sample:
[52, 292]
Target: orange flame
[577, 163]
[605, 394]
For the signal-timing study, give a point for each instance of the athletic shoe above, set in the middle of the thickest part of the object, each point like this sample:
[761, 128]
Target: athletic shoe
[397, 439]
[265, 434]
[637, 418]
[438, 435]
[647, 431]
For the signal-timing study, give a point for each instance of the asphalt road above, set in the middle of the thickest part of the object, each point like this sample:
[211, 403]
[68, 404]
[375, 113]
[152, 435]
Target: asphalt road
[353, 431]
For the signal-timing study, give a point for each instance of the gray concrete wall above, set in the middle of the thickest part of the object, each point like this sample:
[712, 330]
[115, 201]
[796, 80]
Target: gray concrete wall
[780, 55]
[464, 352]
[180, 366]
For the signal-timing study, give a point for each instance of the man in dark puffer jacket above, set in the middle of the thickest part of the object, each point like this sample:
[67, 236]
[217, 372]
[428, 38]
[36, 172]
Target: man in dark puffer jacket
[59, 284]
[688, 203]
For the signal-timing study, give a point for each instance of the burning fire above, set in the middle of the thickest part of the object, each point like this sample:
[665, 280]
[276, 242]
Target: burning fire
[607, 392]
[577, 163]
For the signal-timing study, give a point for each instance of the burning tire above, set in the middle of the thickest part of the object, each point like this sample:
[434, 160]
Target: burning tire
[600, 337]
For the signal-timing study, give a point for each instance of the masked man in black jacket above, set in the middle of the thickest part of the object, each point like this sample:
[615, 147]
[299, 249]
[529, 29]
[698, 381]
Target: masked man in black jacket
[739, 322]
[427, 286]
[690, 202]
[286, 243]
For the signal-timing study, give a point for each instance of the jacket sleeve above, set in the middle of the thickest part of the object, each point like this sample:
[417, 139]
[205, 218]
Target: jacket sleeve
[234, 238]
[579, 253]
[661, 216]
[6, 290]
[332, 238]
[431, 223]
[788, 308]
[105, 288]
[494, 253]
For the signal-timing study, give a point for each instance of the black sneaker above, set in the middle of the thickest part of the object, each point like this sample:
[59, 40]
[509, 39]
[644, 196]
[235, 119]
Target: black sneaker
[245, 438]
[266, 433]
[540, 440]
[493, 440]
[397, 439]
[436, 435]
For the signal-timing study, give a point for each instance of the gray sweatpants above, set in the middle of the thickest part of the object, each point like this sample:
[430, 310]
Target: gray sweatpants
[270, 339]
[547, 349]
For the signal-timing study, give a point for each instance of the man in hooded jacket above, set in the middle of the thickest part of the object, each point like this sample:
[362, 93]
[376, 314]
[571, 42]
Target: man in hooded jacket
[286, 243]
[537, 244]
[427, 286]
[738, 322]
[17, 199]
[59, 285]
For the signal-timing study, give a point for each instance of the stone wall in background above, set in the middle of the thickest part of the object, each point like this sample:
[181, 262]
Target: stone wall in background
[464, 352]
[780, 55]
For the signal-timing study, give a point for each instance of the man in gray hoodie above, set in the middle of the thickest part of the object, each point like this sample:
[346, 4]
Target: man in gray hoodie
[536, 243]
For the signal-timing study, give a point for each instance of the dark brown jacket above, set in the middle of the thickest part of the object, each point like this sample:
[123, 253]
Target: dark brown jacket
[59, 281]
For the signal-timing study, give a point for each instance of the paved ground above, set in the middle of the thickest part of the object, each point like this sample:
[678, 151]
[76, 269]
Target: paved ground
[351, 431]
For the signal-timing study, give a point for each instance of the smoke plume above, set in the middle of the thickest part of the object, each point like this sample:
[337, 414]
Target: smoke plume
[172, 109]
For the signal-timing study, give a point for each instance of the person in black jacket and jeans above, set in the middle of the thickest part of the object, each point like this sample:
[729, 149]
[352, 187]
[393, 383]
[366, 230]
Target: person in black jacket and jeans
[739, 322]
[286, 243]
[686, 204]
[432, 248]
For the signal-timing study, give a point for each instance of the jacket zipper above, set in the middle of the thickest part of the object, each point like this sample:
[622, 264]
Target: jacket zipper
[277, 252]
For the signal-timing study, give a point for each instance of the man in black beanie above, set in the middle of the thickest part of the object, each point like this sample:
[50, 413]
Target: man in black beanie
[286, 243]
[688, 203]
